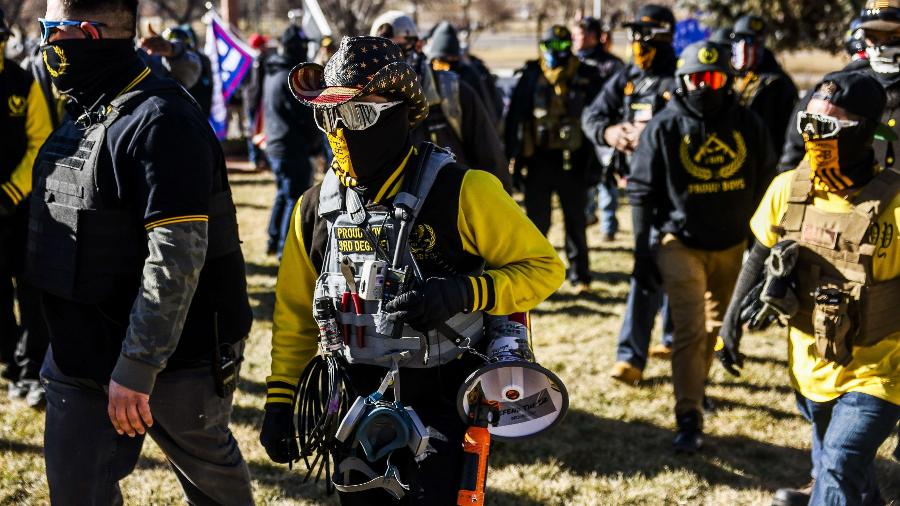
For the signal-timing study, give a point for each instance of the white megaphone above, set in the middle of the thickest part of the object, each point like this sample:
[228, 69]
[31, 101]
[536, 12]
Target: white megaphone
[531, 399]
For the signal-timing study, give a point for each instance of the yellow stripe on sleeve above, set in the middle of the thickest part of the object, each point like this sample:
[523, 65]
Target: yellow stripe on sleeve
[177, 219]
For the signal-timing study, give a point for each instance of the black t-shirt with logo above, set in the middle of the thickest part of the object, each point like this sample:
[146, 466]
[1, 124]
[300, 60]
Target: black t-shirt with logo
[703, 176]
[162, 161]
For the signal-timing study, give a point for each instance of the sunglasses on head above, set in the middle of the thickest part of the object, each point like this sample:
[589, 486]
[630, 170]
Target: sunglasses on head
[353, 115]
[813, 126]
[713, 80]
[49, 27]
[647, 33]
[556, 45]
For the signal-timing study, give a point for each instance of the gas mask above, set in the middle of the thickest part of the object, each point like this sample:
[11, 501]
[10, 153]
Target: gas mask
[746, 53]
[839, 151]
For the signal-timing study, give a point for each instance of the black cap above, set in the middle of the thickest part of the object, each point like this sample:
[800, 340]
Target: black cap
[855, 92]
[444, 41]
[4, 28]
[705, 56]
[652, 16]
[721, 36]
[750, 25]
[593, 25]
[557, 32]
[294, 41]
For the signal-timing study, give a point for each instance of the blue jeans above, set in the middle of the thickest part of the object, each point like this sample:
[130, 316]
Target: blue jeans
[846, 434]
[608, 194]
[292, 178]
[641, 309]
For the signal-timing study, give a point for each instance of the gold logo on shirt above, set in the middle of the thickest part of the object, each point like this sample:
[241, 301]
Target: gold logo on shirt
[63, 62]
[423, 239]
[714, 163]
[16, 105]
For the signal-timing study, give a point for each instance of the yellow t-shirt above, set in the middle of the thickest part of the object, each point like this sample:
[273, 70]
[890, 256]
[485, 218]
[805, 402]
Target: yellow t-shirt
[874, 370]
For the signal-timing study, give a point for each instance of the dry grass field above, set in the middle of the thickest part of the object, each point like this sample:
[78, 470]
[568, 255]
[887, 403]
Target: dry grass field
[613, 448]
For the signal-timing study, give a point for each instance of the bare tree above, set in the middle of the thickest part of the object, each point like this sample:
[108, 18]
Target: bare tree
[23, 13]
[181, 11]
[352, 17]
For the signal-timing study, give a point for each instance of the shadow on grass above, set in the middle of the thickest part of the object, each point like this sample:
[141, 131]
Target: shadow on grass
[586, 444]
[250, 205]
[249, 181]
[780, 362]
[752, 387]
[256, 269]
[16, 447]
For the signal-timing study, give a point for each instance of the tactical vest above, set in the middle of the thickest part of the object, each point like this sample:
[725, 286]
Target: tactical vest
[346, 213]
[645, 97]
[82, 248]
[441, 88]
[15, 85]
[836, 251]
[554, 127]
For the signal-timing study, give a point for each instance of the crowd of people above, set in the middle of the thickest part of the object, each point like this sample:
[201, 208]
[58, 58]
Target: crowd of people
[119, 242]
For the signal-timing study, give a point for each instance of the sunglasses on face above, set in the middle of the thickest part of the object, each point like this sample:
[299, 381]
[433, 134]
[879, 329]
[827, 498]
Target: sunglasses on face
[647, 34]
[49, 27]
[353, 115]
[813, 126]
[556, 45]
[709, 79]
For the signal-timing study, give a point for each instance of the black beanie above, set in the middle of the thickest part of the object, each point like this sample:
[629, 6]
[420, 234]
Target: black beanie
[444, 41]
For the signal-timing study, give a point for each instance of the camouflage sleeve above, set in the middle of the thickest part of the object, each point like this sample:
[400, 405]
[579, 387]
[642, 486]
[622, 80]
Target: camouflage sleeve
[169, 279]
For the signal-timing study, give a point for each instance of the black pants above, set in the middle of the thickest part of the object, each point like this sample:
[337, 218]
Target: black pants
[86, 458]
[432, 393]
[546, 176]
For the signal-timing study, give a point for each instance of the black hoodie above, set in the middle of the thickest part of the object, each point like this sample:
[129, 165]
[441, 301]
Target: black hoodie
[702, 178]
[290, 129]
[772, 95]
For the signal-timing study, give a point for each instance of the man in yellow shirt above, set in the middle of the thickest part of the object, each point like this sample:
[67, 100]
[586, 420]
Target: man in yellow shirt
[843, 212]
[473, 250]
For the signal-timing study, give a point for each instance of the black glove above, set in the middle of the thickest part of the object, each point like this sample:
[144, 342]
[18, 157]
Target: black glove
[646, 272]
[428, 306]
[277, 435]
[744, 300]
[728, 347]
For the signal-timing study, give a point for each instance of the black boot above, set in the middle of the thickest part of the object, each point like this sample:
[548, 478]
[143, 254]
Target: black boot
[689, 438]
[793, 496]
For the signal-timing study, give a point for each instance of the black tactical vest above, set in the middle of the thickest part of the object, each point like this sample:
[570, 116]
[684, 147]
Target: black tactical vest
[559, 128]
[80, 247]
[15, 84]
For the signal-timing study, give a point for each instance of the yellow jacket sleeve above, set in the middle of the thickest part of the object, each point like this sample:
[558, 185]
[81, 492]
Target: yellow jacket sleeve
[294, 331]
[37, 129]
[521, 266]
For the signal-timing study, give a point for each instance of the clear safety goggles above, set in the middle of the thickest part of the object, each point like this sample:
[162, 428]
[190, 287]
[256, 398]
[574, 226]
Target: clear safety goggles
[813, 126]
[353, 115]
[710, 79]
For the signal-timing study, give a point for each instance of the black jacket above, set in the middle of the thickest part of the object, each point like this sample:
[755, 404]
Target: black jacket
[632, 94]
[703, 178]
[605, 63]
[771, 94]
[794, 151]
[290, 129]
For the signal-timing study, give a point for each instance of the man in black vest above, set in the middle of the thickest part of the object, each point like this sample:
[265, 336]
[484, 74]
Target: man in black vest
[761, 84]
[543, 135]
[25, 123]
[614, 120]
[135, 250]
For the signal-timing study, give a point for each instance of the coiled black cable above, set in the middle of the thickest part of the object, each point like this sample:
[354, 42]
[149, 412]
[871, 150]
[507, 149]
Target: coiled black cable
[323, 397]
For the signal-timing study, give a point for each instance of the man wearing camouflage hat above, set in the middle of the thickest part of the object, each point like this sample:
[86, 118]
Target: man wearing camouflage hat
[761, 84]
[696, 176]
[367, 100]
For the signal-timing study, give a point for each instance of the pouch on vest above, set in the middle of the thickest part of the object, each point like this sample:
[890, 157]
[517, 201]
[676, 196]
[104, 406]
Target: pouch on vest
[832, 324]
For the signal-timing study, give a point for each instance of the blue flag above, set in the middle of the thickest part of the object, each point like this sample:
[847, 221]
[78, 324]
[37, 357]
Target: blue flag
[231, 60]
[688, 31]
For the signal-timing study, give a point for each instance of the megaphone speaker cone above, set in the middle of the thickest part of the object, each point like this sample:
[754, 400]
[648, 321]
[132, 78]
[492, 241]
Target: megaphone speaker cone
[531, 398]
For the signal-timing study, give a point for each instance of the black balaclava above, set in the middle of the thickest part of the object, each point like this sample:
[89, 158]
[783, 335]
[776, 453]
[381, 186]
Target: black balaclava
[706, 102]
[88, 70]
[365, 159]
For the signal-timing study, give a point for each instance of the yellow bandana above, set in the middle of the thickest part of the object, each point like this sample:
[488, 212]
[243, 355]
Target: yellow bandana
[643, 55]
[341, 165]
[826, 169]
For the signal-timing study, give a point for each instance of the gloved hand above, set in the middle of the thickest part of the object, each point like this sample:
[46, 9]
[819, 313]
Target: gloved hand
[427, 306]
[728, 345]
[646, 272]
[277, 435]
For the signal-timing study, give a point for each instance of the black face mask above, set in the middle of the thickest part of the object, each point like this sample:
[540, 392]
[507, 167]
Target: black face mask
[706, 103]
[364, 159]
[86, 69]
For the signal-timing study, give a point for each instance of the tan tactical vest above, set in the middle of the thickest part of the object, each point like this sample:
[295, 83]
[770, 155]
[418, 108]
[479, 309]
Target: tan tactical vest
[836, 251]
